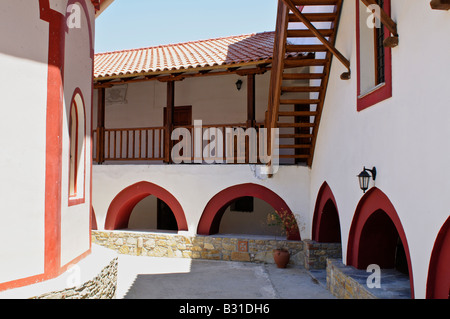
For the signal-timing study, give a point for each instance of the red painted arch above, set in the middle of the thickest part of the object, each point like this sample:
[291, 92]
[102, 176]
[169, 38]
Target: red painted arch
[214, 210]
[370, 206]
[438, 284]
[119, 211]
[93, 219]
[324, 229]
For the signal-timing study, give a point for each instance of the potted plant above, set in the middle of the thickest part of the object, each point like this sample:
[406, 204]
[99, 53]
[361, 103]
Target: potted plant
[286, 223]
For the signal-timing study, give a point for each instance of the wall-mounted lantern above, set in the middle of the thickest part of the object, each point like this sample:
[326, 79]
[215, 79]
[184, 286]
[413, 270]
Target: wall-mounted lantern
[239, 85]
[364, 178]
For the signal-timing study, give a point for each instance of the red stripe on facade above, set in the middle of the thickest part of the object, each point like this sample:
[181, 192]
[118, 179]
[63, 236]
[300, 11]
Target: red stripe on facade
[53, 165]
[53, 157]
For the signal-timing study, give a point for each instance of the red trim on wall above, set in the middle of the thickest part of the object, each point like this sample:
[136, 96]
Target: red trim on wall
[214, 210]
[324, 196]
[372, 202]
[54, 129]
[93, 225]
[85, 10]
[438, 283]
[121, 207]
[53, 166]
[384, 91]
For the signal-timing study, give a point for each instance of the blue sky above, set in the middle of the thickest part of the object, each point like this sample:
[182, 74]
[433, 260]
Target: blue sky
[129, 24]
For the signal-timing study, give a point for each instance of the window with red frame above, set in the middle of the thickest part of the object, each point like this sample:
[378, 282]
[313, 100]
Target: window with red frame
[373, 59]
[77, 162]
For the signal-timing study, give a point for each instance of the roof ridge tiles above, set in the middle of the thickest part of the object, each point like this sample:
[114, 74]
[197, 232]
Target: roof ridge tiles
[230, 50]
[184, 43]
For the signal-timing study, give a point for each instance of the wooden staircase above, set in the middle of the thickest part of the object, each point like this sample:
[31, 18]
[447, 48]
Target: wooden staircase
[300, 72]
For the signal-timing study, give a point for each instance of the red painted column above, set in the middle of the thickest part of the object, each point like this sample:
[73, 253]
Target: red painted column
[53, 162]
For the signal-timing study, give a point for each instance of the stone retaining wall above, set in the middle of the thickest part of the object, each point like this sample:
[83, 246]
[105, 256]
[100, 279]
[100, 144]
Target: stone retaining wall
[342, 285]
[196, 247]
[316, 254]
[103, 286]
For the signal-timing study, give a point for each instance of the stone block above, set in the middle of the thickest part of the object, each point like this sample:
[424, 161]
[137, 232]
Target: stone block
[240, 256]
[124, 250]
[231, 247]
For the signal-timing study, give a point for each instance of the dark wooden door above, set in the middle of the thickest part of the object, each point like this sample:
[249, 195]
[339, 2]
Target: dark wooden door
[182, 116]
[165, 218]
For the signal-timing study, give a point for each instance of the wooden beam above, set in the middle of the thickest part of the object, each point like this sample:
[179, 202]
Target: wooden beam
[246, 72]
[276, 78]
[180, 77]
[171, 77]
[318, 35]
[440, 4]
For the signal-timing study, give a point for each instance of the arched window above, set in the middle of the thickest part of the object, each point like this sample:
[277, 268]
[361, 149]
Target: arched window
[77, 163]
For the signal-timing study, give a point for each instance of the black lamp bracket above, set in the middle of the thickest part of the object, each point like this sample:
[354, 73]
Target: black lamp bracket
[373, 171]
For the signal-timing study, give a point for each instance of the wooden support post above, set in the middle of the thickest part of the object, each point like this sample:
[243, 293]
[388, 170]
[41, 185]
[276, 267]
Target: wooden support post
[250, 112]
[101, 126]
[169, 121]
[251, 100]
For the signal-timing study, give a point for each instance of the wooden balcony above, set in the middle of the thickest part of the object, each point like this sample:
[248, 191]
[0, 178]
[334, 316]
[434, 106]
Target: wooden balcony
[149, 144]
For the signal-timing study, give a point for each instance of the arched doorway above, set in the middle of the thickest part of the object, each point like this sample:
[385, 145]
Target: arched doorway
[212, 214]
[122, 206]
[377, 236]
[152, 214]
[250, 216]
[326, 227]
[438, 285]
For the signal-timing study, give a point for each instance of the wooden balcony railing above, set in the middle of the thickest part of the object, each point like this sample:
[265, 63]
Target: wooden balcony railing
[129, 144]
[148, 144]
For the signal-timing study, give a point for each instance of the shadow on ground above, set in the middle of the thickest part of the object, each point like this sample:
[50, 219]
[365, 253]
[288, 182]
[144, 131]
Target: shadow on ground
[172, 278]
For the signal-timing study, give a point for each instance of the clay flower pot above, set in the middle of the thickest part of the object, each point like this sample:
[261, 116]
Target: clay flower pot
[281, 257]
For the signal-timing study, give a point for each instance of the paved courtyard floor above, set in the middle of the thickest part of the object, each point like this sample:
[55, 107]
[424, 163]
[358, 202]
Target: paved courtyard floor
[177, 278]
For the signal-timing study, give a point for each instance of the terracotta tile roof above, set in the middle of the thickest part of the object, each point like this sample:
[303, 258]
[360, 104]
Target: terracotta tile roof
[226, 51]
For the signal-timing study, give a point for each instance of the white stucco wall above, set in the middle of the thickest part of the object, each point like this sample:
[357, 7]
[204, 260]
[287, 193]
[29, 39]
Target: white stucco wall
[75, 219]
[24, 64]
[23, 61]
[405, 137]
[194, 185]
[214, 99]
